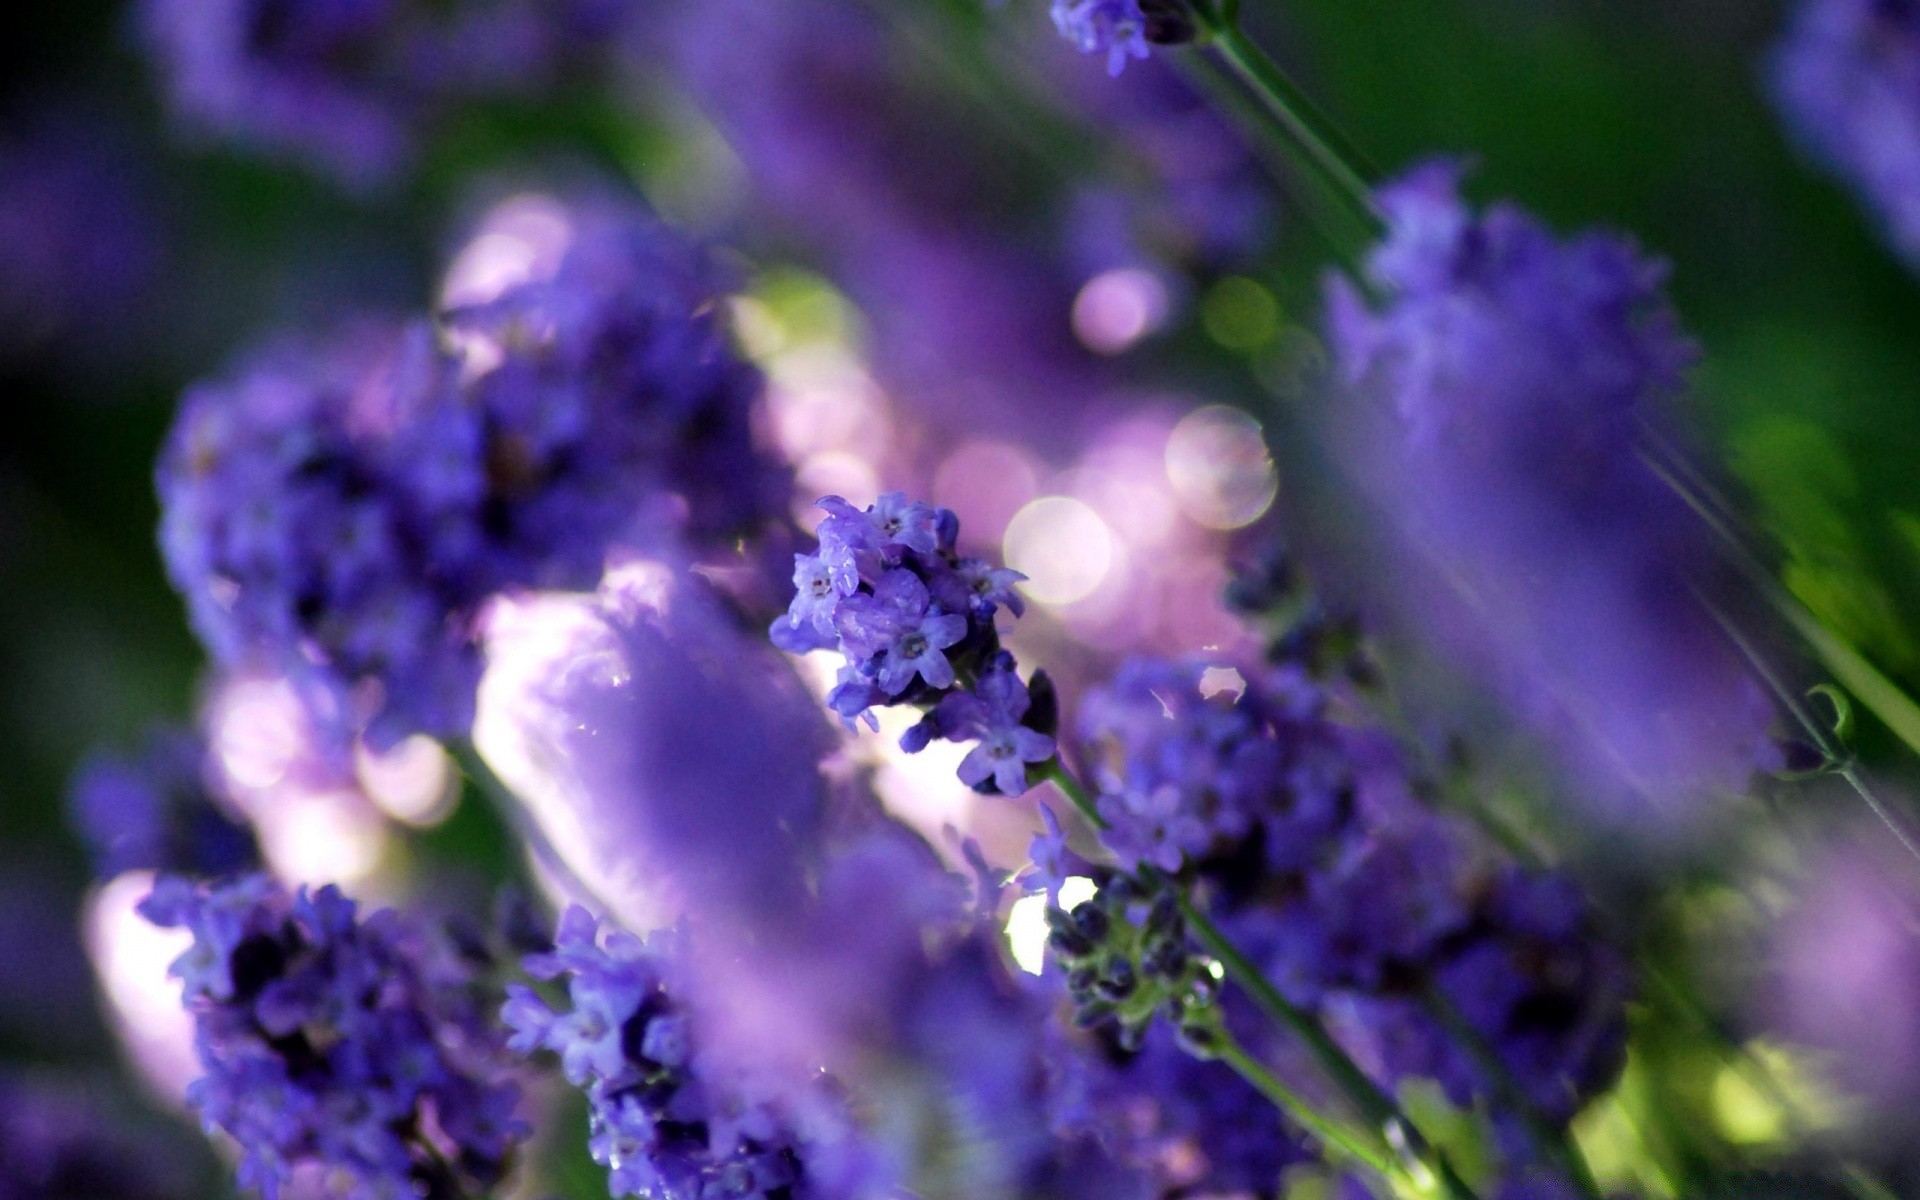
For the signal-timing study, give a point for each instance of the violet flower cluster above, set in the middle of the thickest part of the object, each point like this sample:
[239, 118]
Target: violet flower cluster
[672, 1118]
[156, 810]
[351, 87]
[337, 1045]
[340, 510]
[915, 623]
[1518, 383]
[1393, 923]
[1122, 29]
[1846, 76]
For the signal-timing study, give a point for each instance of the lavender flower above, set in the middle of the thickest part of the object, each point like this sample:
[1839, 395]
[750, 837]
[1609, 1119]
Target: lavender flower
[156, 811]
[671, 1116]
[341, 511]
[914, 620]
[337, 1043]
[350, 86]
[1849, 935]
[1394, 923]
[1181, 774]
[1512, 375]
[1846, 76]
[992, 713]
[1115, 28]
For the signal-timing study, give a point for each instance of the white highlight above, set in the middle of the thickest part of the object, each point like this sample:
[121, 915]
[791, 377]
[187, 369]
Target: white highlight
[1115, 309]
[1218, 465]
[1063, 548]
[131, 956]
[1027, 922]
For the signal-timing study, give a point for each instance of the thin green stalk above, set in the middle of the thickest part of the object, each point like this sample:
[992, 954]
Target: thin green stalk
[1839, 756]
[1071, 787]
[1548, 1138]
[1376, 1107]
[1308, 131]
[1264, 1081]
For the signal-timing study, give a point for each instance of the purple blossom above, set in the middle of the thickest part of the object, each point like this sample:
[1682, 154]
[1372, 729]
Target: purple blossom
[341, 511]
[896, 625]
[337, 1043]
[1505, 380]
[351, 86]
[672, 1116]
[1181, 774]
[1115, 28]
[992, 713]
[157, 811]
[1846, 76]
[1849, 936]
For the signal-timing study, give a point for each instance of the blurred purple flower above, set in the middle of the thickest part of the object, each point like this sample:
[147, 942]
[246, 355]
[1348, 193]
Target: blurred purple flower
[673, 761]
[58, 1140]
[672, 1116]
[350, 86]
[1511, 377]
[82, 240]
[156, 811]
[341, 511]
[1846, 76]
[1845, 975]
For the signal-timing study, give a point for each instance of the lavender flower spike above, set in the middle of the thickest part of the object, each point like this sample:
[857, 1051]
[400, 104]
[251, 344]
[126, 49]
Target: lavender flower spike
[1116, 28]
[1503, 381]
[992, 712]
[1846, 77]
[672, 1118]
[337, 1043]
[914, 620]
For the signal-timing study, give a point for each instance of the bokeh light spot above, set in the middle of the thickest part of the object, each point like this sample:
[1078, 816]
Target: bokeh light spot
[1063, 548]
[1115, 309]
[1218, 465]
[1240, 314]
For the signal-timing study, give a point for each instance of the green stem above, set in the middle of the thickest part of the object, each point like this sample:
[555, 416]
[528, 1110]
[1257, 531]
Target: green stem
[1893, 706]
[1071, 787]
[1378, 1109]
[1548, 1138]
[1308, 131]
[1375, 1106]
[1264, 1081]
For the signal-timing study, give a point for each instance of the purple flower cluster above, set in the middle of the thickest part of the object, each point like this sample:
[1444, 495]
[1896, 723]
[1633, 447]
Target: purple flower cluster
[1846, 76]
[915, 622]
[1192, 1126]
[338, 1044]
[1182, 774]
[1513, 377]
[1115, 28]
[672, 1118]
[349, 86]
[155, 810]
[1354, 899]
[340, 511]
